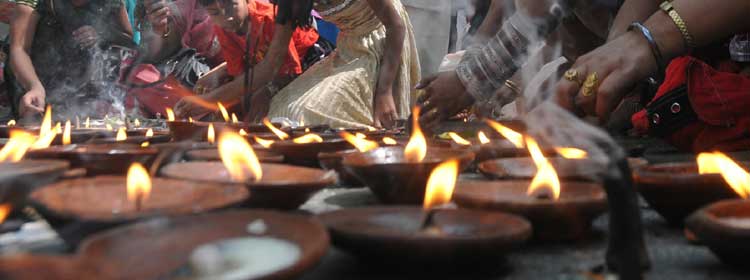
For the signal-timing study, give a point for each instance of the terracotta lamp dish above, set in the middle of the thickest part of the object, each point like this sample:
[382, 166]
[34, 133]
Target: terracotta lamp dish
[333, 161]
[184, 130]
[98, 159]
[281, 187]
[524, 168]
[18, 179]
[394, 180]
[725, 228]
[139, 139]
[176, 247]
[307, 154]
[568, 218]
[675, 190]
[397, 235]
[213, 155]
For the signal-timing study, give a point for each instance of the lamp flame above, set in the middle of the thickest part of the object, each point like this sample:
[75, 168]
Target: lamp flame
[416, 149]
[66, 133]
[138, 183]
[719, 163]
[224, 113]
[458, 139]
[190, 119]
[389, 141]
[263, 142]
[88, 122]
[122, 135]
[546, 176]
[149, 133]
[4, 211]
[108, 127]
[136, 123]
[242, 132]
[20, 141]
[282, 135]
[234, 118]
[483, 137]
[360, 135]
[514, 137]
[441, 183]
[11, 122]
[362, 145]
[308, 138]
[170, 114]
[46, 132]
[571, 153]
[145, 144]
[211, 134]
[238, 157]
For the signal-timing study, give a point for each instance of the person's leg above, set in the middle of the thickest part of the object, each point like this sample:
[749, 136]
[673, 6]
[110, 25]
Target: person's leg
[431, 21]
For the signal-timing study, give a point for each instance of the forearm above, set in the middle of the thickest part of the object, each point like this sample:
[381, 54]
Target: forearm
[20, 62]
[725, 18]
[493, 21]
[160, 47]
[228, 93]
[265, 71]
[630, 11]
[394, 46]
[22, 31]
[484, 69]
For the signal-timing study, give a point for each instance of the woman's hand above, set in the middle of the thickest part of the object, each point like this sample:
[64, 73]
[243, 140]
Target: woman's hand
[32, 102]
[444, 97]
[619, 65]
[384, 110]
[260, 102]
[193, 105]
[158, 13]
[85, 36]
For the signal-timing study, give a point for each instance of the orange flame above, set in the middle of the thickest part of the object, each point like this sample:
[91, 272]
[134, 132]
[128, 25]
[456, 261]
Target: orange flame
[122, 135]
[88, 122]
[46, 132]
[136, 123]
[20, 141]
[360, 135]
[108, 127]
[308, 138]
[138, 182]
[458, 139]
[47, 121]
[571, 153]
[416, 149]
[66, 133]
[170, 114]
[145, 144]
[389, 141]
[363, 145]
[719, 163]
[282, 135]
[371, 129]
[190, 119]
[514, 137]
[234, 118]
[4, 211]
[223, 111]
[11, 122]
[483, 137]
[263, 142]
[149, 133]
[238, 157]
[211, 134]
[441, 183]
[546, 176]
[242, 132]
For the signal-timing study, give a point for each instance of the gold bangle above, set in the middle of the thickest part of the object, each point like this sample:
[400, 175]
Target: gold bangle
[667, 7]
[513, 87]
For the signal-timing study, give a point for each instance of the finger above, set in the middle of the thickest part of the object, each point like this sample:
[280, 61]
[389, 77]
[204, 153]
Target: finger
[426, 81]
[377, 123]
[610, 93]
[430, 117]
[429, 105]
[425, 96]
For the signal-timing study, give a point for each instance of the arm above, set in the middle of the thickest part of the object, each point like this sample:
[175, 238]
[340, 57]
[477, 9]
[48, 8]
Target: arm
[395, 31]
[493, 21]
[630, 11]
[22, 32]
[161, 41]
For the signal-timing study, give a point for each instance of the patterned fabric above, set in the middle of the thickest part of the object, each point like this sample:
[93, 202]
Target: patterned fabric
[339, 90]
[197, 29]
[30, 3]
[262, 26]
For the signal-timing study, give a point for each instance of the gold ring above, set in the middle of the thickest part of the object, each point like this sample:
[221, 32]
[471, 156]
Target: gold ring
[572, 75]
[589, 86]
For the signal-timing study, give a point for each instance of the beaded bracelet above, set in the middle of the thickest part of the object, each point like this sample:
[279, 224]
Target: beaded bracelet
[651, 42]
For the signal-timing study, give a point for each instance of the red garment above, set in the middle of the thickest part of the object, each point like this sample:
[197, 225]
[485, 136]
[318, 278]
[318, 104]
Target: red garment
[720, 98]
[262, 25]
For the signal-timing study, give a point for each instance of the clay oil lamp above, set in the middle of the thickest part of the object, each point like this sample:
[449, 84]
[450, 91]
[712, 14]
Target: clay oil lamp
[724, 226]
[332, 160]
[98, 159]
[572, 164]
[5, 128]
[213, 155]
[96, 203]
[304, 150]
[18, 176]
[675, 190]
[224, 245]
[432, 234]
[399, 175]
[557, 210]
[272, 185]
[124, 136]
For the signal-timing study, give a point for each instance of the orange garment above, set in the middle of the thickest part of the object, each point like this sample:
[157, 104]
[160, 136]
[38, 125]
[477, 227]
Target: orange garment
[262, 24]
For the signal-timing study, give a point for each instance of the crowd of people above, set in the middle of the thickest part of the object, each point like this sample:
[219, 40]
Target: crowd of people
[675, 69]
